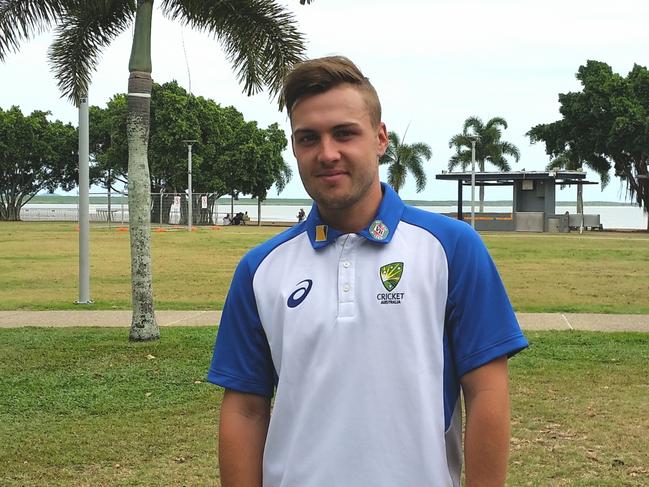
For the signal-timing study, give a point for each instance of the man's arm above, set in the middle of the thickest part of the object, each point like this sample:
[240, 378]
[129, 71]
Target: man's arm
[486, 442]
[242, 434]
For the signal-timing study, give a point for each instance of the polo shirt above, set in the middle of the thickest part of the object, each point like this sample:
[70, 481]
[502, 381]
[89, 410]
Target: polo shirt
[362, 339]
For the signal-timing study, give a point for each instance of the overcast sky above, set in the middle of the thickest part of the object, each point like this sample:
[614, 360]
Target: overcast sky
[434, 63]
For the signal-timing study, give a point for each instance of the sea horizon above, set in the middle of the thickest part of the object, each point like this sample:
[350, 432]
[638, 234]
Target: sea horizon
[226, 200]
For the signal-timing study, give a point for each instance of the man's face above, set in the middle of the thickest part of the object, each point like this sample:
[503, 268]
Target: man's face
[337, 149]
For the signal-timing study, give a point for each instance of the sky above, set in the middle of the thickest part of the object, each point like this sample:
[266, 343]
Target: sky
[434, 63]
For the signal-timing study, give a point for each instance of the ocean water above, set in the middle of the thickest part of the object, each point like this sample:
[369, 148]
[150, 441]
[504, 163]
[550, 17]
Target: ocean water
[611, 217]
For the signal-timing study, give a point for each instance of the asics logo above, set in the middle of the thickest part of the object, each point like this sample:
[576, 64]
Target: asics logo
[300, 293]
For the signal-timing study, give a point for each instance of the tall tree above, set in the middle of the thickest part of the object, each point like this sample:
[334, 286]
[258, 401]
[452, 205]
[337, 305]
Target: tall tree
[260, 38]
[605, 126]
[405, 158]
[488, 148]
[268, 167]
[231, 155]
[35, 155]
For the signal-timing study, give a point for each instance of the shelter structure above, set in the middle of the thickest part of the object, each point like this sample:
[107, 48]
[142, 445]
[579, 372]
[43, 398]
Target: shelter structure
[533, 197]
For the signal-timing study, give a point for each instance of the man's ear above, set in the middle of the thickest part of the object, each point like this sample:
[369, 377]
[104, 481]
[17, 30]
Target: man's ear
[383, 139]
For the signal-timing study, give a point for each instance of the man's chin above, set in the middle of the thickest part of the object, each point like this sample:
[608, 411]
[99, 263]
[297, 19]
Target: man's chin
[335, 203]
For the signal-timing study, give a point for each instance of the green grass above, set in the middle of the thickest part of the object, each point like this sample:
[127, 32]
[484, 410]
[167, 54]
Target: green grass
[39, 265]
[84, 407]
[600, 272]
[591, 273]
[580, 412]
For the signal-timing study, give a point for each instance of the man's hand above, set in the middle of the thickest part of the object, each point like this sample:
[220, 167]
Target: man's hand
[486, 443]
[242, 435]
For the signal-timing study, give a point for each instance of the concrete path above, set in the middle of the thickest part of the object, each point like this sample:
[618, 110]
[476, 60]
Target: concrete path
[528, 321]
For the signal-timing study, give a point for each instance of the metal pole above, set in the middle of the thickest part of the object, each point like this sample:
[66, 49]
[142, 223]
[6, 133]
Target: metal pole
[189, 182]
[110, 209]
[460, 209]
[580, 206]
[473, 141]
[84, 205]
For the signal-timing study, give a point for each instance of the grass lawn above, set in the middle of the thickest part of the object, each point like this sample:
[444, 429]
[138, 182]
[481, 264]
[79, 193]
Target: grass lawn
[595, 272]
[84, 407]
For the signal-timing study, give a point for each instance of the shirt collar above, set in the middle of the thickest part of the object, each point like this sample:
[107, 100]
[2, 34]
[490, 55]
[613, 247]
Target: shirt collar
[379, 231]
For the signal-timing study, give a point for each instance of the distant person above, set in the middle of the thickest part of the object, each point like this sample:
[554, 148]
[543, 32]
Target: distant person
[365, 323]
[246, 218]
[226, 219]
[300, 215]
[238, 218]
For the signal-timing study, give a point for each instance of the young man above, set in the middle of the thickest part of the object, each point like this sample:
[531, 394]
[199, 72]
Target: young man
[365, 321]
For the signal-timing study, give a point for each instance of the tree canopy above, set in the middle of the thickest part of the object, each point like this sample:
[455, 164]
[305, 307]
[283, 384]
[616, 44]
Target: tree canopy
[402, 159]
[35, 155]
[605, 126]
[230, 155]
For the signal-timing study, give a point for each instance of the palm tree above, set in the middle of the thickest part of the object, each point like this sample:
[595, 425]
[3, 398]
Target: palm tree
[489, 147]
[259, 37]
[403, 158]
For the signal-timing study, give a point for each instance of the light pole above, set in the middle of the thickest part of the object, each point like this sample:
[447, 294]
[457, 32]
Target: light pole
[189, 182]
[473, 139]
[84, 205]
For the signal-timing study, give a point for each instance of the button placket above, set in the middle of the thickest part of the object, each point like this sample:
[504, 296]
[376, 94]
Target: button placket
[346, 275]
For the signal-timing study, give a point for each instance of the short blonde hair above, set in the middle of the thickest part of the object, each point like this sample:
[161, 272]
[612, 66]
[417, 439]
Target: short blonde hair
[316, 76]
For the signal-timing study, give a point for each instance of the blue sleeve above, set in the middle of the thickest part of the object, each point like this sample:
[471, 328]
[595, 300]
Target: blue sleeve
[242, 359]
[481, 323]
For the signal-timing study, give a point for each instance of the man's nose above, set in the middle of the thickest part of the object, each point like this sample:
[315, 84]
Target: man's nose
[328, 150]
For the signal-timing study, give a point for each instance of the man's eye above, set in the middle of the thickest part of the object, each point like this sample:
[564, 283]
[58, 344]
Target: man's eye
[306, 139]
[344, 134]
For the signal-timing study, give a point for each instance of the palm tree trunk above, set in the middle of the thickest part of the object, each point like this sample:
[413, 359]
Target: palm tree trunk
[143, 324]
[481, 199]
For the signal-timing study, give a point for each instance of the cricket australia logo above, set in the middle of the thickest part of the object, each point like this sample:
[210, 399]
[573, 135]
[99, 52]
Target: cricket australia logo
[390, 276]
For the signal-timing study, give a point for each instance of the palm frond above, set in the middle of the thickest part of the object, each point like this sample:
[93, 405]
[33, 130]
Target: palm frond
[391, 153]
[462, 159]
[473, 122]
[20, 20]
[501, 163]
[404, 158]
[495, 121]
[260, 37]
[422, 150]
[489, 147]
[396, 176]
[459, 141]
[389, 156]
[416, 167]
[510, 150]
[84, 31]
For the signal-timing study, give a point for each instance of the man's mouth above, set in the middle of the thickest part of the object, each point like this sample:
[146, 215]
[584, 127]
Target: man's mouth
[331, 176]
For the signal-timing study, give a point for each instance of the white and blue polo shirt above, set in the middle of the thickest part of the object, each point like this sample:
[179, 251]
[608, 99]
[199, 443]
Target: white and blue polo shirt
[363, 339]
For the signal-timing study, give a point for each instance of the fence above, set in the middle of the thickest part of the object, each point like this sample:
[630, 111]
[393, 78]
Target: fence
[166, 209]
[173, 209]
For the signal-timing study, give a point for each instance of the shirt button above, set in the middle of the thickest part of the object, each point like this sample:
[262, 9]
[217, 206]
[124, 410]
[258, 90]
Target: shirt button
[346, 264]
[346, 288]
